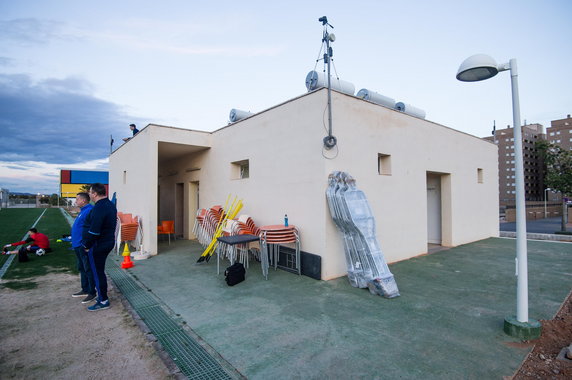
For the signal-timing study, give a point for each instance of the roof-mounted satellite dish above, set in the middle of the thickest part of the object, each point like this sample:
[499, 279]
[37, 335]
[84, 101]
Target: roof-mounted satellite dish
[376, 98]
[315, 80]
[410, 110]
[236, 115]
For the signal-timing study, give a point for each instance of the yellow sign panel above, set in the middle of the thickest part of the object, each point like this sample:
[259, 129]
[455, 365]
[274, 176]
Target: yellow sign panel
[70, 190]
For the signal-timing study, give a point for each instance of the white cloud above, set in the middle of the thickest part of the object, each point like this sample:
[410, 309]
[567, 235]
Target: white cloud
[40, 177]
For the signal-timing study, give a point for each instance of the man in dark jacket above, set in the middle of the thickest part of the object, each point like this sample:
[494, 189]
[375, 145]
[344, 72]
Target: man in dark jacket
[134, 130]
[98, 239]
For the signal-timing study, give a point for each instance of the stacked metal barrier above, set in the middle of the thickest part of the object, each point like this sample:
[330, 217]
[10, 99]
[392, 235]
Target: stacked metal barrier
[352, 215]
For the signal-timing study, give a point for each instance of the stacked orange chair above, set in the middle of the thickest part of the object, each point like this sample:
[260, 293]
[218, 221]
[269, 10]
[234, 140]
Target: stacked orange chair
[207, 223]
[243, 225]
[129, 226]
[271, 237]
[198, 229]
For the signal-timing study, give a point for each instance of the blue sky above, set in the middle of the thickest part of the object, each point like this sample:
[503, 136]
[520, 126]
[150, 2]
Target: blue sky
[72, 73]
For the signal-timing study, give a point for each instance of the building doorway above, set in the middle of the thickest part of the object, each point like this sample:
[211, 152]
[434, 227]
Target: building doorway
[193, 200]
[434, 214]
[180, 209]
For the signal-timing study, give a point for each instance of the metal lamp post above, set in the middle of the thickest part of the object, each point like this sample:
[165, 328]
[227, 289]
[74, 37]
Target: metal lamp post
[545, 213]
[480, 67]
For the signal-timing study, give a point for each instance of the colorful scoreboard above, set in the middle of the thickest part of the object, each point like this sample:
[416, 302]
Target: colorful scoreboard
[72, 181]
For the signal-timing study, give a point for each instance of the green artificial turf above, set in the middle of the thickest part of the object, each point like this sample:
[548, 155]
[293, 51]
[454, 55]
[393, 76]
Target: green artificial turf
[61, 259]
[14, 223]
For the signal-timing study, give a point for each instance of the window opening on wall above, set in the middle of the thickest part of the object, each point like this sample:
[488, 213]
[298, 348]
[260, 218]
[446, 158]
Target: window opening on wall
[480, 175]
[240, 169]
[383, 164]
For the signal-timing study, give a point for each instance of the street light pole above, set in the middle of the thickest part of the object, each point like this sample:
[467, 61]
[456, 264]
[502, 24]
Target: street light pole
[545, 212]
[521, 248]
[480, 67]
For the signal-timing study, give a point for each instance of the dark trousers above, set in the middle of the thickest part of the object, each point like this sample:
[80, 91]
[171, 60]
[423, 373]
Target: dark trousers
[85, 273]
[97, 256]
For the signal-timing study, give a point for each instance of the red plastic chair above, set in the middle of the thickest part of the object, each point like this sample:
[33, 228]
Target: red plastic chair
[167, 227]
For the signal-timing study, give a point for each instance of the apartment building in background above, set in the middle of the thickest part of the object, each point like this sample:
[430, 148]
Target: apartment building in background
[560, 133]
[533, 164]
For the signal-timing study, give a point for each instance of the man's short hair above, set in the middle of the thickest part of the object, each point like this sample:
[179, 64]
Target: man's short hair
[132, 125]
[33, 230]
[98, 188]
[84, 196]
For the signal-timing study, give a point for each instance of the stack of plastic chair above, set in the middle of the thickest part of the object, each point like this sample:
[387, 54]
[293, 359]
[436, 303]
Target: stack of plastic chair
[167, 227]
[251, 227]
[128, 227]
[224, 249]
[271, 237]
[230, 213]
[244, 225]
[199, 221]
[352, 215]
[212, 217]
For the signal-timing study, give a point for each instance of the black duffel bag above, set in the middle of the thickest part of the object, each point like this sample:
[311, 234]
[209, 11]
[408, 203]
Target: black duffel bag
[234, 274]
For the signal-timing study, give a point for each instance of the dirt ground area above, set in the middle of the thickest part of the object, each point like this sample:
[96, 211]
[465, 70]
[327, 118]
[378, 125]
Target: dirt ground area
[48, 334]
[542, 361]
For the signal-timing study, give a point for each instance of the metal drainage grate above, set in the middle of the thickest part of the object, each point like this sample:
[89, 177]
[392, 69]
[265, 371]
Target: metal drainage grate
[191, 358]
[154, 318]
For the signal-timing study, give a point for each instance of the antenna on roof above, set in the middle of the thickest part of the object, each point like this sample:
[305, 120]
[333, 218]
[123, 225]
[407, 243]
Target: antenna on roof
[330, 140]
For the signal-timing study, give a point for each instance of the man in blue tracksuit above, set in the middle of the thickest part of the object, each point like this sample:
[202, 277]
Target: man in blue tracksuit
[85, 273]
[99, 239]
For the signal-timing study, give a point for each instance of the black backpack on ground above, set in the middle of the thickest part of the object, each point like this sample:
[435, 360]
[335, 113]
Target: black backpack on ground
[234, 274]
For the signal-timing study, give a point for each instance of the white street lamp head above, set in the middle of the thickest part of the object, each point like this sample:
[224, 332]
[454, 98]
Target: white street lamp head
[477, 67]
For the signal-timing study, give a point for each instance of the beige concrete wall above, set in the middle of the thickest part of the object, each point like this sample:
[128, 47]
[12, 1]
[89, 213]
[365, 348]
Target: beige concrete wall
[132, 168]
[283, 146]
[134, 175]
[399, 200]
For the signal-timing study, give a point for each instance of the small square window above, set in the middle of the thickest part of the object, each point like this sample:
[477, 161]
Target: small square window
[240, 169]
[383, 164]
[480, 175]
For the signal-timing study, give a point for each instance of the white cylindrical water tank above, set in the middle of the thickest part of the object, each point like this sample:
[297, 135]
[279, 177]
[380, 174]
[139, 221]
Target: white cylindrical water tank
[376, 98]
[315, 80]
[236, 115]
[410, 110]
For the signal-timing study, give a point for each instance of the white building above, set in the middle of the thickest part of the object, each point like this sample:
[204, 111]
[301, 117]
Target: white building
[426, 183]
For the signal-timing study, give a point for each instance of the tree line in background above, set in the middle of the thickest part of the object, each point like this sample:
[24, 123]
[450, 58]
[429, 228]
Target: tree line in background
[558, 174]
[45, 200]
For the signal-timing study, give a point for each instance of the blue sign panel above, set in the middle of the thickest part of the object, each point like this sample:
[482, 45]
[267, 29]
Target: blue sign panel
[85, 176]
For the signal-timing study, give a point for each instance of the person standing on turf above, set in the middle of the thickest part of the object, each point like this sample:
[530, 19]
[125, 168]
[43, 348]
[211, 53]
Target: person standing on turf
[85, 273]
[99, 239]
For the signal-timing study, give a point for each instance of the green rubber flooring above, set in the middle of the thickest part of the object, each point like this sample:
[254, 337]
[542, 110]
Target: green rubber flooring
[447, 323]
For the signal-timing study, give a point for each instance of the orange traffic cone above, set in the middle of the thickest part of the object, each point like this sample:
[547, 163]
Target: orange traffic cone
[127, 263]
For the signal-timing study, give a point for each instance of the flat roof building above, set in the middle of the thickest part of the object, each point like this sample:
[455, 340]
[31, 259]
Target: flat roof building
[560, 133]
[533, 164]
[426, 183]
